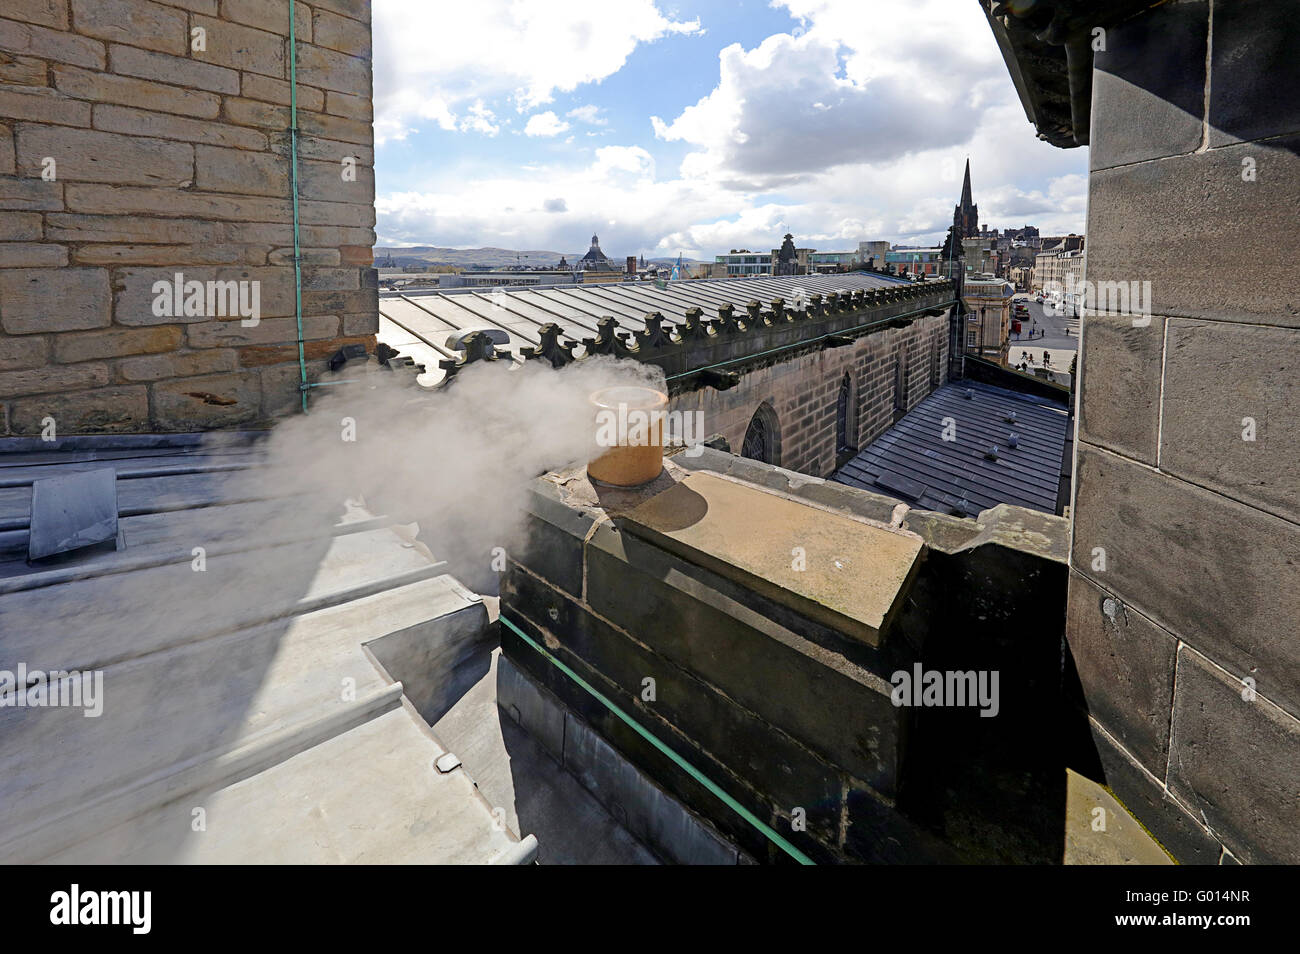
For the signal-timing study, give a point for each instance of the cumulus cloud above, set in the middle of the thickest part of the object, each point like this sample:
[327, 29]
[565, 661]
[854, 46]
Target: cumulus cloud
[545, 124]
[855, 124]
[526, 51]
[589, 114]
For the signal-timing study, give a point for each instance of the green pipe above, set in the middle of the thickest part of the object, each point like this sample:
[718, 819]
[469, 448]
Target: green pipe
[691, 770]
[297, 230]
[810, 341]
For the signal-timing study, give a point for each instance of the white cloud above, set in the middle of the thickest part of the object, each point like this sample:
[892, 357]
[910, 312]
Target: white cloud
[545, 124]
[495, 48]
[478, 119]
[854, 126]
[589, 114]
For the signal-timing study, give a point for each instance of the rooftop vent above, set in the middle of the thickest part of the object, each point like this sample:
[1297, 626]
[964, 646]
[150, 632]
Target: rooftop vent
[73, 511]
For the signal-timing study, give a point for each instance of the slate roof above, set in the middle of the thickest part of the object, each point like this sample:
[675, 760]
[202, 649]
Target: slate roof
[912, 462]
[418, 324]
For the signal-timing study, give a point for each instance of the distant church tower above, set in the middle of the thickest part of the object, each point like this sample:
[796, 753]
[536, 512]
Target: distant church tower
[966, 215]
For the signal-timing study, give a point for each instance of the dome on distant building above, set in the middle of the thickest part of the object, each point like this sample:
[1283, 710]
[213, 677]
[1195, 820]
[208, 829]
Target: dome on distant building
[595, 259]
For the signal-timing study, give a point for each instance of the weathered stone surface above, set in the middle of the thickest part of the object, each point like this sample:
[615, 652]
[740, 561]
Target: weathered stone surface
[357, 255]
[1145, 796]
[353, 107]
[1138, 230]
[106, 410]
[43, 380]
[130, 228]
[326, 150]
[23, 70]
[183, 71]
[855, 574]
[269, 15]
[1224, 382]
[166, 254]
[324, 180]
[1152, 74]
[1254, 63]
[328, 70]
[245, 173]
[257, 356]
[340, 33]
[750, 748]
[50, 13]
[1120, 840]
[43, 105]
[257, 86]
[91, 156]
[356, 9]
[1223, 576]
[127, 201]
[706, 625]
[33, 300]
[137, 122]
[243, 48]
[180, 364]
[309, 256]
[143, 94]
[51, 44]
[330, 279]
[1126, 667]
[280, 387]
[1119, 384]
[219, 400]
[25, 255]
[135, 295]
[35, 195]
[325, 126]
[114, 343]
[137, 22]
[7, 166]
[230, 334]
[1234, 761]
[29, 351]
[359, 214]
[366, 324]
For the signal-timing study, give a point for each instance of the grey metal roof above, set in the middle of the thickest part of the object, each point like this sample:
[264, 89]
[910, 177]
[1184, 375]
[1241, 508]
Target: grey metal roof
[222, 687]
[418, 324]
[912, 462]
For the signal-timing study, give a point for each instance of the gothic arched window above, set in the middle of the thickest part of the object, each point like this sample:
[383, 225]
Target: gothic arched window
[763, 438]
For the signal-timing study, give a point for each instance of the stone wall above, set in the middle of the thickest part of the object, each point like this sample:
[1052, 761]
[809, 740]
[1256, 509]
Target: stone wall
[803, 393]
[788, 715]
[1185, 570]
[142, 139]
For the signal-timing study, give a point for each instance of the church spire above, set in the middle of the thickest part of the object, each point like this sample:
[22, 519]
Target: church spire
[966, 200]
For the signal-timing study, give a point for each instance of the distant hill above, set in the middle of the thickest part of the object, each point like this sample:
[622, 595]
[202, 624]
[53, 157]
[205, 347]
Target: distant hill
[466, 257]
[488, 257]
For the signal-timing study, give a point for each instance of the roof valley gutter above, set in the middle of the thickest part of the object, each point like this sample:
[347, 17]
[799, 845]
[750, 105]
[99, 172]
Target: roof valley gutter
[770, 833]
[303, 386]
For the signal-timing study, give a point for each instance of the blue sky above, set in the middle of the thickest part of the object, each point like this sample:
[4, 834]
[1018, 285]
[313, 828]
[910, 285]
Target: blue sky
[700, 127]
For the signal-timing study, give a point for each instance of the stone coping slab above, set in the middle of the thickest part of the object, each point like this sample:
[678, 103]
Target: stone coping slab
[842, 572]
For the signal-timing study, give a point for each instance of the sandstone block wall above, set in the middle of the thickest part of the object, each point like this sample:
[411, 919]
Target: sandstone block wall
[803, 392]
[1185, 571]
[141, 139]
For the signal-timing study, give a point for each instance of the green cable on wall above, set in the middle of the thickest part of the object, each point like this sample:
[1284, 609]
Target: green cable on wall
[771, 834]
[297, 232]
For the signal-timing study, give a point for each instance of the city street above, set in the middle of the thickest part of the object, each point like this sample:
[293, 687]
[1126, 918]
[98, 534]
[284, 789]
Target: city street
[1061, 332]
